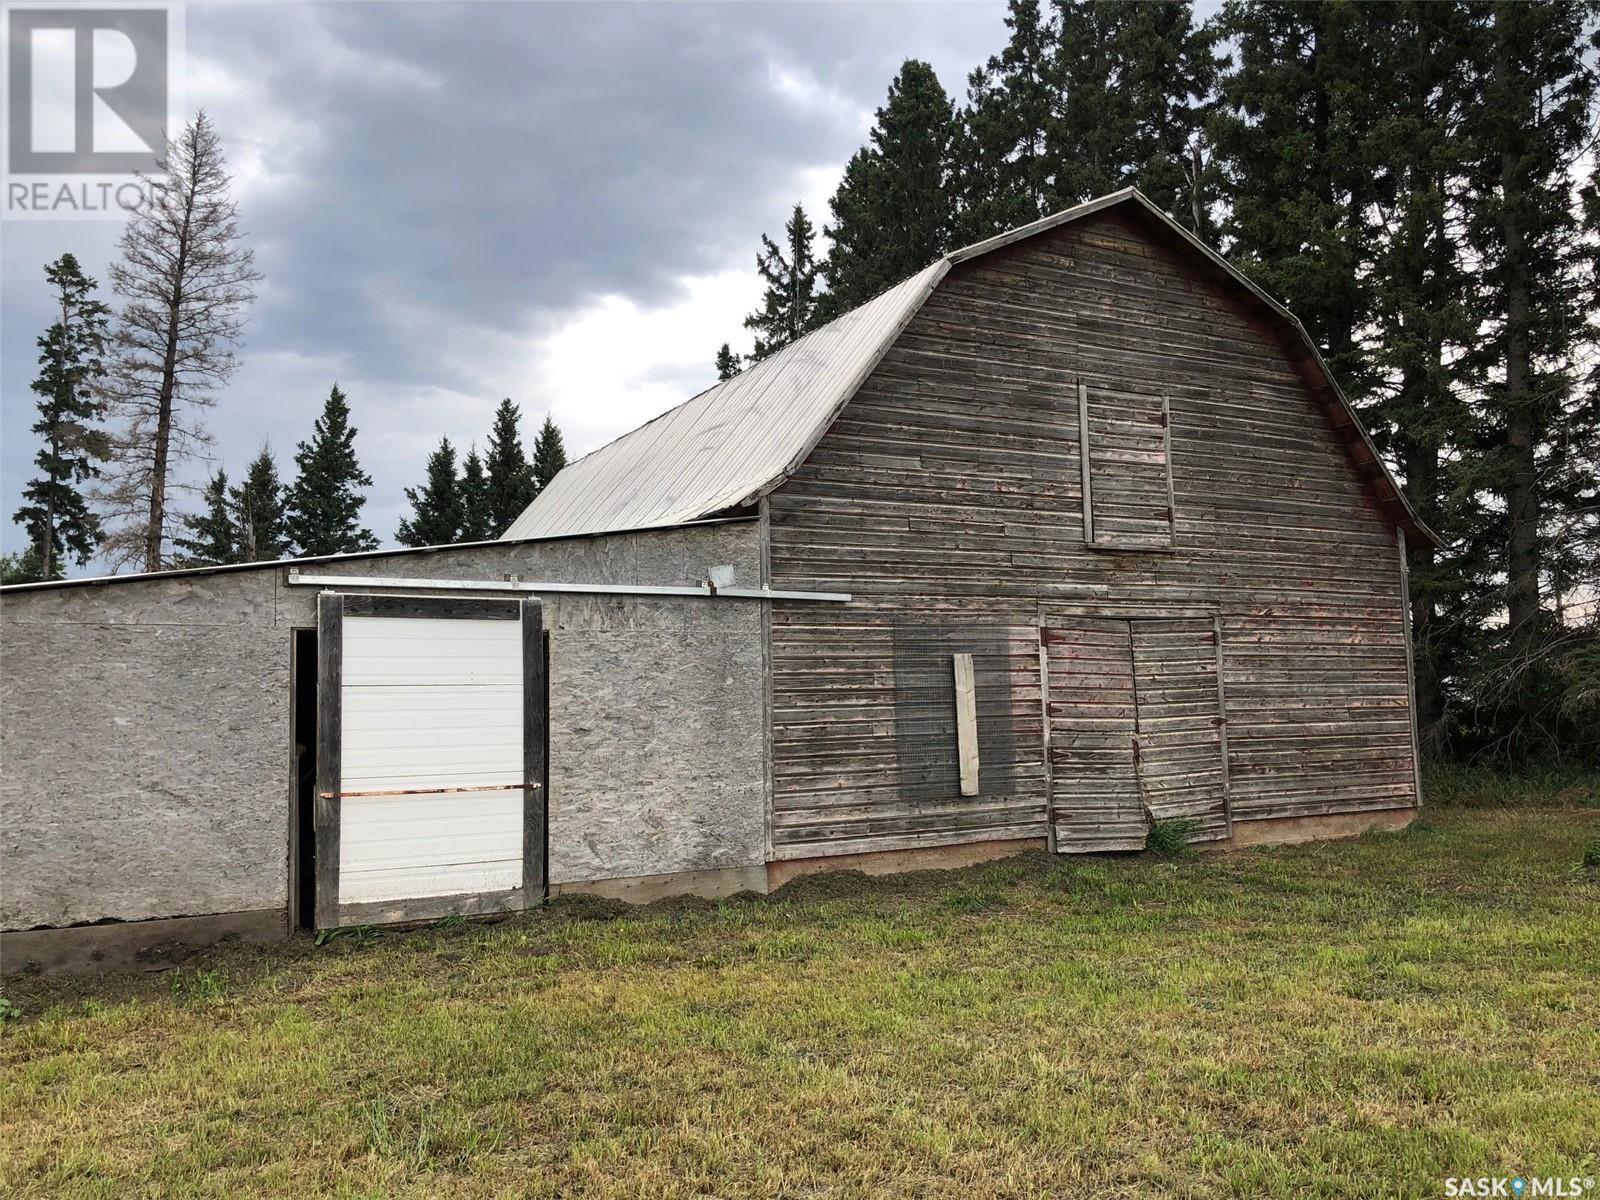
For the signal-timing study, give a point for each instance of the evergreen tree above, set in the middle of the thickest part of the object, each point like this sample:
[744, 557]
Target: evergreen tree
[22, 567]
[55, 513]
[1529, 132]
[510, 476]
[1004, 176]
[259, 512]
[549, 454]
[1097, 96]
[1294, 159]
[211, 538]
[325, 501]
[893, 212]
[1420, 87]
[436, 507]
[728, 364]
[1134, 78]
[477, 524]
[186, 279]
[789, 306]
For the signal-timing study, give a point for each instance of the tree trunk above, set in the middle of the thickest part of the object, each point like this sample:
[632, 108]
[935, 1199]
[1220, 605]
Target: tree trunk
[1421, 466]
[1338, 332]
[1522, 482]
[162, 449]
[47, 543]
[1521, 487]
[163, 433]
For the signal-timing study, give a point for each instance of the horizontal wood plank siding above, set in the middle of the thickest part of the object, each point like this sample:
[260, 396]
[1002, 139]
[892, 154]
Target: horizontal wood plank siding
[949, 494]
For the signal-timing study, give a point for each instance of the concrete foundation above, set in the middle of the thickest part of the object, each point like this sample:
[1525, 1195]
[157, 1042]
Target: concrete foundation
[643, 889]
[133, 945]
[1290, 830]
[891, 862]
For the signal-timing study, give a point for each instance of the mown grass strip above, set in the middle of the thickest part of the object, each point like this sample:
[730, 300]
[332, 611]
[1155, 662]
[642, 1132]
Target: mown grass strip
[1358, 1018]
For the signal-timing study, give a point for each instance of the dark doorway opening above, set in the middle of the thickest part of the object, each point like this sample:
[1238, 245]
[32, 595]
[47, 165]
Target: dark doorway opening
[303, 860]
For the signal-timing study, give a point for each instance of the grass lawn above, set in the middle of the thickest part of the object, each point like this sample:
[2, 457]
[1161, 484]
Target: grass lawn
[1341, 1019]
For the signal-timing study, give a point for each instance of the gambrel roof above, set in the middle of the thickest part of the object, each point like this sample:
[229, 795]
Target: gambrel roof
[732, 444]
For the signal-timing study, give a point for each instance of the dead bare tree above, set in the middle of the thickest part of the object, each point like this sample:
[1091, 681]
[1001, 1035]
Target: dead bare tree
[185, 280]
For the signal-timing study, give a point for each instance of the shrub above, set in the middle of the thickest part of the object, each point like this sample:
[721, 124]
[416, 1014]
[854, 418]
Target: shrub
[1591, 853]
[1170, 837]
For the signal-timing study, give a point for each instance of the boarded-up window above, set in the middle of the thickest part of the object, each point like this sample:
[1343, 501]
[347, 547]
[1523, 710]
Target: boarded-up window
[1127, 469]
[927, 742]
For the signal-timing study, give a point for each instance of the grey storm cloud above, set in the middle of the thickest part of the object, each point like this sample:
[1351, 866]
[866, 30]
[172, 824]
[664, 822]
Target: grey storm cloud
[421, 179]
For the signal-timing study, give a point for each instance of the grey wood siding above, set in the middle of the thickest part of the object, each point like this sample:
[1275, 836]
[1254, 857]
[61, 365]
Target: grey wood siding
[949, 496]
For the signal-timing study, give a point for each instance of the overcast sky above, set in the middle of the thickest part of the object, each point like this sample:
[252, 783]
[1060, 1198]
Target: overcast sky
[559, 203]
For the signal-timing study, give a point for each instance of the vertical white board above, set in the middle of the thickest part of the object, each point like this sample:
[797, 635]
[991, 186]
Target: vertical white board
[966, 723]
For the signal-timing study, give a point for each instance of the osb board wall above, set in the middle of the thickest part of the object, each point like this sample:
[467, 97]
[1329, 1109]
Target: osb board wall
[949, 490]
[146, 739]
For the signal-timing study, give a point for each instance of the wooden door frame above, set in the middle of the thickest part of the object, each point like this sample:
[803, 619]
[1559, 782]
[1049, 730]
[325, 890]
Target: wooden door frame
[332, 608]
[1128, 616]
[1091, 539]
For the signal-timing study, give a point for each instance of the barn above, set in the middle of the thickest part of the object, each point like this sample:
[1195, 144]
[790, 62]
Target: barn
[1068, 533]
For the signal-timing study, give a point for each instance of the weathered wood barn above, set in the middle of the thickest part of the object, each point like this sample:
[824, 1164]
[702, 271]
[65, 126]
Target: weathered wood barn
[1069, 532]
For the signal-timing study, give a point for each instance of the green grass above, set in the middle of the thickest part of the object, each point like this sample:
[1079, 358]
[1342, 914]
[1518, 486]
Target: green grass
[1455, 785]
[1337, 1019]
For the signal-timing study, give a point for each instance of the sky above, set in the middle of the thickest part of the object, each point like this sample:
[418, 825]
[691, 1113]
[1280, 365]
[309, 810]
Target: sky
[453, 203]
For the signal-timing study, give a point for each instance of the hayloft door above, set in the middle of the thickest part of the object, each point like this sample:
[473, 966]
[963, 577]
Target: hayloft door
[430, 758]
[1136, 730]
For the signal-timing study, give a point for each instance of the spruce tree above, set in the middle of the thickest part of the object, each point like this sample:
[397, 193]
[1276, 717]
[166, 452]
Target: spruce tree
[436, 507]
[893, 212]
[22, 567]
[1097, 96]
[1133, 79]
[1529, 132]
[186, 279]
[1421, 83]
[549, 454]
[1294, 156]
[510, 476]
[477, 524]
[55, 513]
[1003, 176]
[258, 512]
[210, 537]
[728, 364]
[325, 501]
[789, 305]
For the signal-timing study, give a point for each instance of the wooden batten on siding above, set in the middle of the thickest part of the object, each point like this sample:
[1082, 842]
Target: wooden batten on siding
[954, 495]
